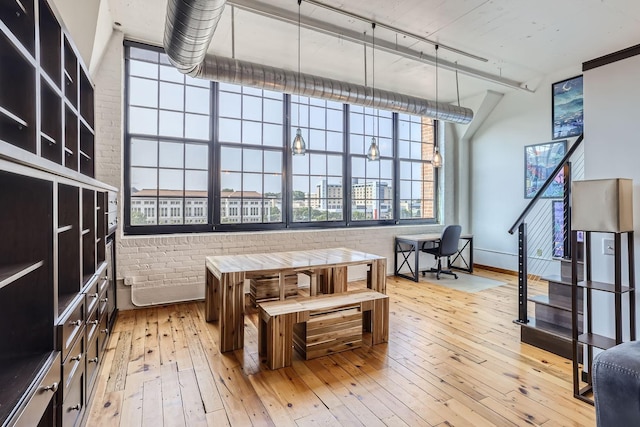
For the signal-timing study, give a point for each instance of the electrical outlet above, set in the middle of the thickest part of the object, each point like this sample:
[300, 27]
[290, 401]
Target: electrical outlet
[539, 252]
[607, 247]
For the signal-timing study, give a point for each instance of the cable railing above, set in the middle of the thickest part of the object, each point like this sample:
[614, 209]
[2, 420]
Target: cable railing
[543, 229]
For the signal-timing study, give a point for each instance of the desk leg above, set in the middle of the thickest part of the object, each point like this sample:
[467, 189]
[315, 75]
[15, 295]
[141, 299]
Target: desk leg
[338, 279]
[313, 285]
[232, 312]
[281, 285]
[211, 297]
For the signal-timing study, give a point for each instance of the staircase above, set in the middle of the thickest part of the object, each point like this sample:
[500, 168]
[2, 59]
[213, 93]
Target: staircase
[544, 260]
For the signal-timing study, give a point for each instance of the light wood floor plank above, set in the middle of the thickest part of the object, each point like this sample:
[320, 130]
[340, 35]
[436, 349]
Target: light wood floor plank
[453, 358]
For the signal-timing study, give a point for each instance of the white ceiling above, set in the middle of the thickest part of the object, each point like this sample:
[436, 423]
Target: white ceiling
[522, 40]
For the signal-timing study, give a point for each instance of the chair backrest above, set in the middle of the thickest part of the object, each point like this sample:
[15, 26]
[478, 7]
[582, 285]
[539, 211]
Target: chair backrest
[449, 240]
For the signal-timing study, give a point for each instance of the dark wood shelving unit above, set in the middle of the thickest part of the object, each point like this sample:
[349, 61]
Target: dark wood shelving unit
[52, 222]
[585, 342]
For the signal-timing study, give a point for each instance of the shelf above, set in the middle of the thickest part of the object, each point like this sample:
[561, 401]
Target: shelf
[48, 138]
[68, 152]
[85, 155]
[596, 340]
[87, 231]
[68, 77]
[13, 117]
[16, 376]
[601, 286]
[11, 273]
[65, 228]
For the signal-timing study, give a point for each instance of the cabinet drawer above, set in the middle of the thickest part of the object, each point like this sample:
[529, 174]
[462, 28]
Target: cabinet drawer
[103, 302]
[93, 361]
[91, 295]
[44, 392]
[73, 366]
[70, 327]
[103, 333]
[73, 405]
[92, 324]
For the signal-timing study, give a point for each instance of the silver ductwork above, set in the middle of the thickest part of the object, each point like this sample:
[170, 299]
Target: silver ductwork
[189, 30]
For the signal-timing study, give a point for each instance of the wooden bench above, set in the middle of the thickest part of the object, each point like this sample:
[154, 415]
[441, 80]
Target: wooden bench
[277, 320]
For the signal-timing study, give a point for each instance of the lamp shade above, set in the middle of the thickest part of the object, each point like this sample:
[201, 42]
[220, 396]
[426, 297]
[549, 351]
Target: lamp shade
[604, 205]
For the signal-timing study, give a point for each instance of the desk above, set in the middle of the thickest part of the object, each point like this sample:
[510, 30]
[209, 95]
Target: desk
[411, 244]
[225, 275]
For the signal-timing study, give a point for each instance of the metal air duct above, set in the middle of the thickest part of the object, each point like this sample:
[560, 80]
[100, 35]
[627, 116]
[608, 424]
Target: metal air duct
[189, 30]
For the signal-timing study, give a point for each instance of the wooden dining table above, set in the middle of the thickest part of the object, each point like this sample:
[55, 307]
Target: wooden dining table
[327, 269]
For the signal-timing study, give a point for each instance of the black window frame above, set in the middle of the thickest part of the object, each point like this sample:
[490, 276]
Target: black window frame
[213, 223]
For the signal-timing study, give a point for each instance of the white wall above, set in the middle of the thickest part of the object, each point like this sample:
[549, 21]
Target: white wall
[497, 169]
[171, 267]
[612, 150]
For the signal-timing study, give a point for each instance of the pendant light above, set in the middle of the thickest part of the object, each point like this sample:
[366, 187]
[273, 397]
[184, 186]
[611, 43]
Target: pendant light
[436, 161]
[298, 147]
[373, 154]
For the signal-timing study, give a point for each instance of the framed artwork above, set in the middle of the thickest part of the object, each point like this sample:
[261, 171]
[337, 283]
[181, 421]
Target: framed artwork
[539, 161]
[567, 108]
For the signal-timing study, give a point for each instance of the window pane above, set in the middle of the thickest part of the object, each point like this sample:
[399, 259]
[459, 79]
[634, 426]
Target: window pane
[171, 155]
[252, 185]
[334, 165]
[197, 100]
[230, 182]
[251, 132]
[143, 92]
[144, 152]
[316, 139]
[334, 141]
[230, 105]
[197, 127]
[197, 156]
[143, 121]
[144, 181]
[252, 160]
[251, 108]
[171, 182]
[334, 120]
[358, 167]
[272, 135]
[404, 149]
[171, 124]
[145, 54]
[143, 69]
[171, 96]
[230, 159]
[197, 82]
[273, 111]
[171, 74]
[196, 181]
[300, 165]
[229, 130]
[273, 161]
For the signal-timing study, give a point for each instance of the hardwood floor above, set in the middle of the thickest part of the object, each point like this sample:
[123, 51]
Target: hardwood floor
[453, 358]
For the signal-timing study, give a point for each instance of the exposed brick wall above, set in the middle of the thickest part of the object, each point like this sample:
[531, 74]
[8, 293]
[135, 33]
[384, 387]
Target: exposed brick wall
[169, 268]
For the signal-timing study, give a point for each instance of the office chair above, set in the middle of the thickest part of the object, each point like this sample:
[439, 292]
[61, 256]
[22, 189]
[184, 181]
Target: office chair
[445, 247]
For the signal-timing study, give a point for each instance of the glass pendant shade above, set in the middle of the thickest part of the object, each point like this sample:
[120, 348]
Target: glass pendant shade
[374, 152]
[437, 158]
[298, 147]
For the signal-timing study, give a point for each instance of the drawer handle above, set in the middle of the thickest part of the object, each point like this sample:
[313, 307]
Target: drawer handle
[92, 322]
[76, 322]
[52, 388]
[94, 360]
[105, 330]
[104, 300]
[75, 407]
[77, 358]
[96, 295]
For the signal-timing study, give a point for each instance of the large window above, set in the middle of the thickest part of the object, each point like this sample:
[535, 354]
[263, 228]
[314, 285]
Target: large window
[168, 119]
[204, 156]
[318, 176]
[250, 135]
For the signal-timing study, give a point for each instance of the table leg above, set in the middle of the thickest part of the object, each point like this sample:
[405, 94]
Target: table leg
[232, 312]
[281, 285]
[313, 285]
[211, 296]
[377, 276]
[339, 279]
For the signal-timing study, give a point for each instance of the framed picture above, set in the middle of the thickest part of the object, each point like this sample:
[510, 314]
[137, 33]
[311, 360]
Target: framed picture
[566, 108]
[539, 161]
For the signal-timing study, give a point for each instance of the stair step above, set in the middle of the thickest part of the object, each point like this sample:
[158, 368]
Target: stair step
[555, 330]
[556, 278]
[560, 304]
[556, 341]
